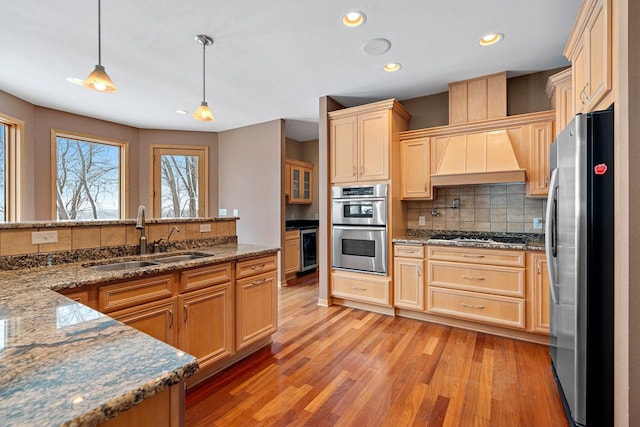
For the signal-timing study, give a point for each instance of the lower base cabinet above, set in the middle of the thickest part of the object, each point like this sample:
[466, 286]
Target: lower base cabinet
[156, 319]
[256, 307]
[206, 323]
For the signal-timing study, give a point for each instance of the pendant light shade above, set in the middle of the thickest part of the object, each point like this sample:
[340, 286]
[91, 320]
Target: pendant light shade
[99, 80]
[203, 113]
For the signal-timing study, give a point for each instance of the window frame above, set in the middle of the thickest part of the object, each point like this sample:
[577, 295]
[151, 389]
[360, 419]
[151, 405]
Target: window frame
[155, 187]
[13, 168]
[124, 167]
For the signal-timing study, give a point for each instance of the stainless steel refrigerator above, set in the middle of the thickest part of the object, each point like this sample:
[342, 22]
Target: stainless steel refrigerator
[579, 240]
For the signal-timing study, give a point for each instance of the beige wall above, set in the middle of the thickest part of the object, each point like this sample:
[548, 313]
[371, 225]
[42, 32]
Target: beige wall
[250, 168]
[150, 137]
[306, 151]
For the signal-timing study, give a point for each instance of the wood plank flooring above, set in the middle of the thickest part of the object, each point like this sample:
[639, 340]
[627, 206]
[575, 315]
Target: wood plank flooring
[338, 366]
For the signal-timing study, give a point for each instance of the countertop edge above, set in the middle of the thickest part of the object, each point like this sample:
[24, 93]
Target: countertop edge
[426, 241]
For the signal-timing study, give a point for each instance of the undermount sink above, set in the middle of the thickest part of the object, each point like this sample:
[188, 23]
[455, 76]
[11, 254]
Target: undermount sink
[181, 257]
[127, 265]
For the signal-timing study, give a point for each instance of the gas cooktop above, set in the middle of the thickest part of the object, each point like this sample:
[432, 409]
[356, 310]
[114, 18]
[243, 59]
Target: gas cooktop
[509, 240]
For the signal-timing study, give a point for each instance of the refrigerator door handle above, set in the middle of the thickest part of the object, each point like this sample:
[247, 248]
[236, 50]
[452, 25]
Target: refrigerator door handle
[550, 232]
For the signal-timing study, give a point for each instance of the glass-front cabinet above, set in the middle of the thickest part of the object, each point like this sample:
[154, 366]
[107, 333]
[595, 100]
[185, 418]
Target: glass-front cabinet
[301, 184]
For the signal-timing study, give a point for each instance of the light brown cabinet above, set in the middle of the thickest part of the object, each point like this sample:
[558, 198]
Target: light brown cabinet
[560, 91]
[538, 298]
[488, 286]
[300, 182]
[408, 277]
[415, 162]
[206, 323]
[589, 50]
[157, 319]
[256, 300]
[287, 179]
[360, 141]
[538, 170]
[291, 252]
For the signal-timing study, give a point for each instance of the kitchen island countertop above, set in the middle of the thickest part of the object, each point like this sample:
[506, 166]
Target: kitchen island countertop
[62, 363]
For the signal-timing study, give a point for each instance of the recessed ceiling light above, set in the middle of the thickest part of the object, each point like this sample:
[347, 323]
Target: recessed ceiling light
[182, 111]
[490, 39]
[354, 18]
[75, 80]
[393, 66]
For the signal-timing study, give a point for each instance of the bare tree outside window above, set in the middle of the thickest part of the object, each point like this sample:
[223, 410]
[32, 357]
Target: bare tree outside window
[3, 170]
[88, 180]
[179, 186]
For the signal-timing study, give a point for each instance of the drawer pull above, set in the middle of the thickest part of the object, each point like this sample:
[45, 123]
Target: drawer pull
[257, 282]
[257, 267]
[171, 317]
[472, 277]
[472, 256]
[358, 289]
[186, 312]
[472, 306]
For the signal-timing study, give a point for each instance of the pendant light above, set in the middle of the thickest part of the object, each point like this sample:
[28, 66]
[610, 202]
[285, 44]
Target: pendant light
[203, 113]
[99, 80]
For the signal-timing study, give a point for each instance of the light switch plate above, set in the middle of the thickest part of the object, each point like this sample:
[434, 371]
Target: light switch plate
[421, 220]
[537, 223]
[42, 237]
[205, 228]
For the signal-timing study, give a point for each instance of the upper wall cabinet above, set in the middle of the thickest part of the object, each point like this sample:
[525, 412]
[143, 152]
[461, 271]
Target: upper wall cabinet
[360, 140]
[415, 169]
[477, 99]
[299, 187]
[589, 50]
[560, 91]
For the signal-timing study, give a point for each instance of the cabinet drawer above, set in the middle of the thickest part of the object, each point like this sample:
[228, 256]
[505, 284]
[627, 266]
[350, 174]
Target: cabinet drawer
[477, 256]
[497, 310]
[376, 292]
[202, 277]
[134, 292]
[408, 251]
[253, 266]
[292, 235]
[506, 281]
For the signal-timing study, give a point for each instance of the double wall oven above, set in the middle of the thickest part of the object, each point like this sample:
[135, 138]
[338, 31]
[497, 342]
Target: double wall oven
[359, 228]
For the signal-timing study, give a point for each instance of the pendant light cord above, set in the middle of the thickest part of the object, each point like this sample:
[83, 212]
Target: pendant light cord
[99, 37]
[204, 46]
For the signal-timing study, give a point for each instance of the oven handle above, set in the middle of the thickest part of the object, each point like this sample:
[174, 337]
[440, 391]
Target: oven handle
[361, 227]
[361, 199]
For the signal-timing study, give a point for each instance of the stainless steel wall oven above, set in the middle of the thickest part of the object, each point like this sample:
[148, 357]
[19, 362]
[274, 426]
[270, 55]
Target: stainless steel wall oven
[359, 219]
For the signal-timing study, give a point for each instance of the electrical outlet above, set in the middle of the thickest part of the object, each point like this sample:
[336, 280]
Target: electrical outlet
[421, 220]
[222, 212]
[205, 228]
[236, 212]
[537, 223]
[42, 237]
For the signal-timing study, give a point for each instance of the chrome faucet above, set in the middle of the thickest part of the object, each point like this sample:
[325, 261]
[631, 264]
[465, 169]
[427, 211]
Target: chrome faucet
[158, 244]
[140, 226]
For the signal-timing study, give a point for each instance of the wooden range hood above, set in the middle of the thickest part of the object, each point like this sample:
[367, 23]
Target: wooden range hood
[478, 158]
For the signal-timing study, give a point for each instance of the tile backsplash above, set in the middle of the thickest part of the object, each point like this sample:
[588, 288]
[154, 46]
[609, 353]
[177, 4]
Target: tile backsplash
[496, 207]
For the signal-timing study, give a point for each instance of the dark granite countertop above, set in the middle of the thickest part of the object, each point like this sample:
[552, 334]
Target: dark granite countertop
[53, 350]
[301, 224]
[533, 242]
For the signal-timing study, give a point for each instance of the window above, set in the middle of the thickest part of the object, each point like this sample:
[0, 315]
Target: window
[10, 137]
[90, 177]
[180, 181]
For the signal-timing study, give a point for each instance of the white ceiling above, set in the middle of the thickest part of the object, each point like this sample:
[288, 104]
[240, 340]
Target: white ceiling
[270, 59]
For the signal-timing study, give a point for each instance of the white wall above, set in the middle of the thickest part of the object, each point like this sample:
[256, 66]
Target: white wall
[250, 169]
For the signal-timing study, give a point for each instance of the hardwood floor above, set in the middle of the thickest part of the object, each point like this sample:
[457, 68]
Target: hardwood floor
[338, 366]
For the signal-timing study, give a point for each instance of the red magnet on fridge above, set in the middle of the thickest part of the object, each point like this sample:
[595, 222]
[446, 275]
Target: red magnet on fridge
[600, 169]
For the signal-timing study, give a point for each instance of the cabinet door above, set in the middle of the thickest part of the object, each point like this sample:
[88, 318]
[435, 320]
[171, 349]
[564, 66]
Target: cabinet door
[373, 146]
[256, 308]
[343, 138]
[540, 284]
[306, 185]
[295, 183]
[292, 255]
[408, 283]
[206, 323]
[156, 319]
[579, 83]
[287, 180]
[415, 170]
[538, 172]
[598, 42]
